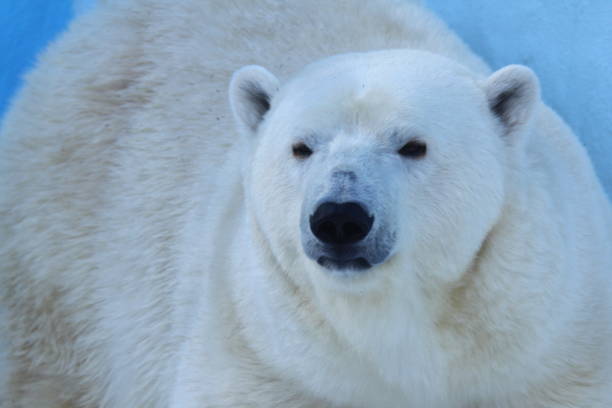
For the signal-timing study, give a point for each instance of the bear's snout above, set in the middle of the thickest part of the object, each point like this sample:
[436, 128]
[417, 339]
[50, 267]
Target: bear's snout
[340, 229]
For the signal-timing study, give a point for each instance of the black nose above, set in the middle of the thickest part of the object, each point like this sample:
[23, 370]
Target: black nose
[340, 223]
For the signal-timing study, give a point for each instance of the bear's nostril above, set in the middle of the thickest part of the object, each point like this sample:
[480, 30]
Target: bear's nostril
[327, 232]
[340, 223]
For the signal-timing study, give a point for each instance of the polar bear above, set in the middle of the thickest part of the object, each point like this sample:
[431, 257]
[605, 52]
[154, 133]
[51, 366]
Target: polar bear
[374, 219]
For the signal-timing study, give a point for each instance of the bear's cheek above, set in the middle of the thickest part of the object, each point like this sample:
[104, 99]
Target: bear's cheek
[276, 197]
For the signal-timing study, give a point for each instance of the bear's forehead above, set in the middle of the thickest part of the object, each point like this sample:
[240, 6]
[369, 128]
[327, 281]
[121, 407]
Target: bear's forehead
[390, 69]
[379, 87]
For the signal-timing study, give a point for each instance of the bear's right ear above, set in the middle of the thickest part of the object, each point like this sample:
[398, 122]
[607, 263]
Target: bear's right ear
[250, 94]
[513, 93]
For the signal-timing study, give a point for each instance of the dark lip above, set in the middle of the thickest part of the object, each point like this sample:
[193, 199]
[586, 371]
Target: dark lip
[342, 252]
[355, 264]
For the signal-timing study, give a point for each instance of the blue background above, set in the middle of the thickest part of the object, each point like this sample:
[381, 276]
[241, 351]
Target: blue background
[568, 43]
[26, 26]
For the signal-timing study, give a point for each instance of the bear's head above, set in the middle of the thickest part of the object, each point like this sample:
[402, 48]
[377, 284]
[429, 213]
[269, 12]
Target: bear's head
[379, 166]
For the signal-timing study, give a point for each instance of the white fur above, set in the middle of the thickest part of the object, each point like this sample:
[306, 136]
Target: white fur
[151, 256]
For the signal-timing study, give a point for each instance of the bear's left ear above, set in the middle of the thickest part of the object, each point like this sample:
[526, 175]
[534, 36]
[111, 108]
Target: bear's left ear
[512, 93]
[250, 94]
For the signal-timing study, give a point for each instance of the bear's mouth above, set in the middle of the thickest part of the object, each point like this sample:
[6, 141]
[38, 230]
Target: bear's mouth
[356, 264]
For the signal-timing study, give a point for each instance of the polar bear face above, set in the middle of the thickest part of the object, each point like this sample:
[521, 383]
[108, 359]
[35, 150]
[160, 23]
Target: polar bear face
[390, 163]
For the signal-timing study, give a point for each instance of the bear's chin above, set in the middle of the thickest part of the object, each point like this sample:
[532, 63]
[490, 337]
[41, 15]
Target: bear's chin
[351, 277]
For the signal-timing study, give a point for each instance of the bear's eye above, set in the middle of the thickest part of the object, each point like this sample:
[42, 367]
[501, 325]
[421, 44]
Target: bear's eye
[301, 151]
[413, 149]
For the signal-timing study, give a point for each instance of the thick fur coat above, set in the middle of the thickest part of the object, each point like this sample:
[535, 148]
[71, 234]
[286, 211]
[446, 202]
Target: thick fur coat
[154, 248]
